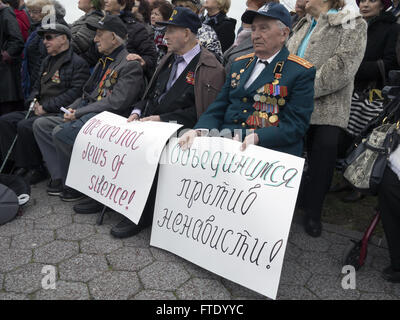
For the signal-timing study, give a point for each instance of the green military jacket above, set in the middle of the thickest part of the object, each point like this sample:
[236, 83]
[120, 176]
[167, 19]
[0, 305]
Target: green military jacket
[277, 105]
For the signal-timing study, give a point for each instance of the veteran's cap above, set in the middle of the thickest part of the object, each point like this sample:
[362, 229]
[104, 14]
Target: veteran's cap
[55, 28]
[272, 10]
[110, 23]
[185, 18]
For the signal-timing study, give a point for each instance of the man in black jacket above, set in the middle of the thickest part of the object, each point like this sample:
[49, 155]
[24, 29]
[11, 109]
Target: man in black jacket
[62, 76]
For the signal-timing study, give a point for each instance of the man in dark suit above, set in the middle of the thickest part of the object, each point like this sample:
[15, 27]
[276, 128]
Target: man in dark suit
[268, 97]
[114, 86]
[187, 80]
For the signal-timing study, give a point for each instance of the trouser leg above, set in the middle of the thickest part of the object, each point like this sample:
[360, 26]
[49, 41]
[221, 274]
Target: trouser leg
[43, 130]
[322, 153]
[389, 206]
[27, 152]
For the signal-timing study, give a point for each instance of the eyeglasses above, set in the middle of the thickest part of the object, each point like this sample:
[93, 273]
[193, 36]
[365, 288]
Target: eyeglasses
[50, 37]
[35, 11]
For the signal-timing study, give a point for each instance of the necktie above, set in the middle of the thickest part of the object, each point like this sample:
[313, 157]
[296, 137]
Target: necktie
[172, 75]
[264, 62]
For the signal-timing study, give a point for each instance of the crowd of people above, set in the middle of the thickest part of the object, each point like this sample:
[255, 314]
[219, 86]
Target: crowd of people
[304, 83]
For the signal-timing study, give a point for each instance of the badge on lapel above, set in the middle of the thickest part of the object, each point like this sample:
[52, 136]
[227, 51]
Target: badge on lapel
[190, 78]
[56, 77]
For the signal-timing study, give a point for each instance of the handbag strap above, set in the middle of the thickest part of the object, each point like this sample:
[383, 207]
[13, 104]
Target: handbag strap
[381, 67]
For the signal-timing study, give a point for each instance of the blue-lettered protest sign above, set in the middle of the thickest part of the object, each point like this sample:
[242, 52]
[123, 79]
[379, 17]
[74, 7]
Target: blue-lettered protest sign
[228, 211]
[114, 162]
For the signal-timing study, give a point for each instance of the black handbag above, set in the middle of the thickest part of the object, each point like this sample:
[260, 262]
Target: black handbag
[365, 165]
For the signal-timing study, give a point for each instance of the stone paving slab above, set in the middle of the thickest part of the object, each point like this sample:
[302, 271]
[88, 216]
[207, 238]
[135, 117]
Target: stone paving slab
[91, 264]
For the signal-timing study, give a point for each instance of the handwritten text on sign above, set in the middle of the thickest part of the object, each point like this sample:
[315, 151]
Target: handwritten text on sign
[114, 162]
[228, 211]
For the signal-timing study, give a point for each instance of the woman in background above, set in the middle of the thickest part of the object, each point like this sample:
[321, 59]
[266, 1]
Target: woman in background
[324, 38]
[217, 19]
[161, 12]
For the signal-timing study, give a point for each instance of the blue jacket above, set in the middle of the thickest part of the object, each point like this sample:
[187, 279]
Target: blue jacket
[235, 105]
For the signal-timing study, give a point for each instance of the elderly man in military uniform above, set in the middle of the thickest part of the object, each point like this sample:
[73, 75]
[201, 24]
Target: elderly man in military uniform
[114, 86]
[268, 95]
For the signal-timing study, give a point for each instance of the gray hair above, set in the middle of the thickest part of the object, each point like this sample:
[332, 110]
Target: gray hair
[282, 26]
[119, 39]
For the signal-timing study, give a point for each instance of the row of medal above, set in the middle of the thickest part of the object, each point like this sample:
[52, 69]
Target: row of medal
[236, 78]
[108, 84]
[268, 99]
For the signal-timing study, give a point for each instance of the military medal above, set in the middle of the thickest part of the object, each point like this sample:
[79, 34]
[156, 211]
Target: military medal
[273, 119]
[108, 84]
[257, 98]
[274, 101]
[283, 94]
[238, 77]
[275, 82]
[263, 99]
[234, 75]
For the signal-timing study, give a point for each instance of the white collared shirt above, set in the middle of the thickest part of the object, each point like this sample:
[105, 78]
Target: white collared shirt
[258, 69]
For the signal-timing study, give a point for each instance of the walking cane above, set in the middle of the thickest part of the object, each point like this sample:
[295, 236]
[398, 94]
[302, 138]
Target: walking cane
[31, 107]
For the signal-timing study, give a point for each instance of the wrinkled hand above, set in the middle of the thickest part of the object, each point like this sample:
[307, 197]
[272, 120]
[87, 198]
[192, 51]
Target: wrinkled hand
[151, 118]
[6, 57]
[71, 116]
[133, 117]
[38, 108]
[187, 139]
[133, 57]
[250, 139]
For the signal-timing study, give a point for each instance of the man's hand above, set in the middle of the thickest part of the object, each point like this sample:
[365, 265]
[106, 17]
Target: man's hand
[250, 139]
[133, 57]
[187, 139]
[6, 57]
[38, 108]
[71, 116]
[133, 117]
[151, 118]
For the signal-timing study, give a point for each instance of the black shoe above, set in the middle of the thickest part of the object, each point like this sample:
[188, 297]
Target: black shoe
[353, 197]
[88, 206]
[21, 172]
[71, 195]
[55, 187]
[339, 187]
[391, 275]
[313, 227]
[125, 228]
[35, 176]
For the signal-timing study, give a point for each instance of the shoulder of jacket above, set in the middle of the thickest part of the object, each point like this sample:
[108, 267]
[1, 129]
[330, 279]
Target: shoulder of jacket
[247, 56]
[303, 62]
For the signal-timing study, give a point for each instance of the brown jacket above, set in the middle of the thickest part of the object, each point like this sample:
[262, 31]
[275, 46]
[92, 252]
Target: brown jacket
[209, 79]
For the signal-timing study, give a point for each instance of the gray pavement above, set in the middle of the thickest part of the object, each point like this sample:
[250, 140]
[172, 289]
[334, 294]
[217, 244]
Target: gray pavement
[91, 264]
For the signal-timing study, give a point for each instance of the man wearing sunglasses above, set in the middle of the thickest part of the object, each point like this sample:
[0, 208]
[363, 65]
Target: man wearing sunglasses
[115, 85]
[61, 78]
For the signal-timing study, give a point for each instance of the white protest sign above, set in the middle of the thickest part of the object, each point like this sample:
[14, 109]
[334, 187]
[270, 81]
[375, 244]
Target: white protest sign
[228, 211]
[114, 162]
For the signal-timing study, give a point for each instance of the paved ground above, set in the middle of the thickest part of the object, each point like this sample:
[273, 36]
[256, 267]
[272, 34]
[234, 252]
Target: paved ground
[90, 264]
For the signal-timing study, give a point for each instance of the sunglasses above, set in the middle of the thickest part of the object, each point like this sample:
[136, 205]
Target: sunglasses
[49, 37]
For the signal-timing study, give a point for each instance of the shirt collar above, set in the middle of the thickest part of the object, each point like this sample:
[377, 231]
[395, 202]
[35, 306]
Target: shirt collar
[188, 56]
[269, 60]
